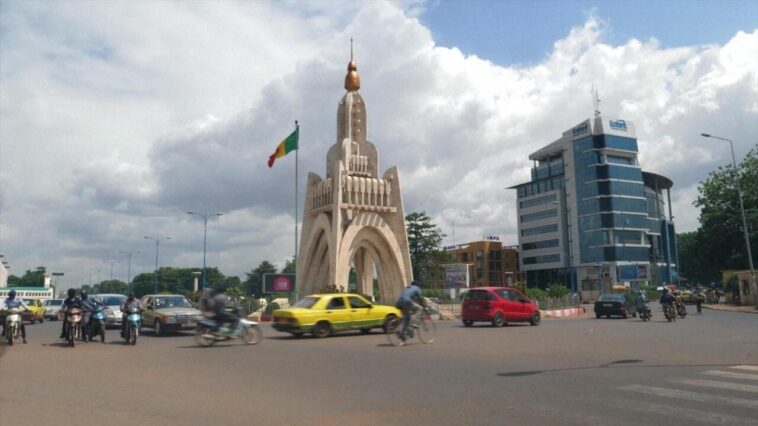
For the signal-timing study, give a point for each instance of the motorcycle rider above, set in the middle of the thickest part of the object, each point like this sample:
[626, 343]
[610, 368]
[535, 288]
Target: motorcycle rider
[131, 302]
[88, 305]
[10, 303]
[641, 301]
[699, 296]
[411, 302]
[70, 302]
[221, 315]
[680, 309]
[667, 299]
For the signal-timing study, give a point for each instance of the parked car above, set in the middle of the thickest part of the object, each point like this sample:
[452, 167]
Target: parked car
[614, 304]
[113, 307]
[498, 305]
[35, 313]
[324, 314]
[52, 307]
[168, 312]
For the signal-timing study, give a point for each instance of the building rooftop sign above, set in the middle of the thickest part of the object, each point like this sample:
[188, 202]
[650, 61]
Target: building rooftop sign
[618, 125]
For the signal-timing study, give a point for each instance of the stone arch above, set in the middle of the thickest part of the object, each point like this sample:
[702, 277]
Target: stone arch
[318, 256]
[371, 232]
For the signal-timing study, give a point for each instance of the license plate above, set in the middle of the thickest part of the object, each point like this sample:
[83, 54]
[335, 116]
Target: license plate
[608, 305]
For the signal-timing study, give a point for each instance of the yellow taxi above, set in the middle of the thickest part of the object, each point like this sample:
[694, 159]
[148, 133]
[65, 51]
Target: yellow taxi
[324, 314]
[36, 311]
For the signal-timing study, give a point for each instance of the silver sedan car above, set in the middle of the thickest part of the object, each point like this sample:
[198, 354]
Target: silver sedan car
[113, 307]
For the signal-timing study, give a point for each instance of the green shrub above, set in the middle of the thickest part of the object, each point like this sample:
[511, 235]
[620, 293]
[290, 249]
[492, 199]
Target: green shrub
[558, 290]
[271, 307]
[536, 293]
[438, 293]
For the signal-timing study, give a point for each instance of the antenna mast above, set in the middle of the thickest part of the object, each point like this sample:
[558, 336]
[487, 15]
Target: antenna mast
[595, 101]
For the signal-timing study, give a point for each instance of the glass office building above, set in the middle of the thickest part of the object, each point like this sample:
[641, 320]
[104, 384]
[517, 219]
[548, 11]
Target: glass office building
[590, 217]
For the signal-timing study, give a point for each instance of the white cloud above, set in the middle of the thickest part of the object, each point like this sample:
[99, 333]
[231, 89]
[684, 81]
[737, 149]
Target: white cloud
[117, 121]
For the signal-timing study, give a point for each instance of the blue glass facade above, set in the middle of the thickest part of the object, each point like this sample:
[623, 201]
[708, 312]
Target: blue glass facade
[610, 196]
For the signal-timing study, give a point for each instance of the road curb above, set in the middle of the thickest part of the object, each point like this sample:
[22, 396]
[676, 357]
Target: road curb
[563, 313]
[725, 308]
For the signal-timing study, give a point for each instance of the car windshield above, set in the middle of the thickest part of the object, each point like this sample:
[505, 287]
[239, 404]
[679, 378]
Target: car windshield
[111, 300]
[612, 298]
[172, 302]
[56, 302]
[306, 303]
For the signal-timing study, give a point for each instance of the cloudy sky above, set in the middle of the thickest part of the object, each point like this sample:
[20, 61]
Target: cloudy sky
[118, 117]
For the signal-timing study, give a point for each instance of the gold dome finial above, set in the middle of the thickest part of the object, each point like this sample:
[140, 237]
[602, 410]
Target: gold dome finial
[352, 80]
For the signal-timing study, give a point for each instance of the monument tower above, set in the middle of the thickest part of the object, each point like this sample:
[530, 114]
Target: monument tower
[353, 217]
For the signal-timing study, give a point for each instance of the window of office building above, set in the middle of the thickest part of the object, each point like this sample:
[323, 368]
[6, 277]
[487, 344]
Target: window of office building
[615, 142]
[479, 264]
[540, 244]
[539, 215]
[627, 237]
[539, 230]
[549, 258]
[495, 267]
[538, 201]
[612, 171]
[615, 159]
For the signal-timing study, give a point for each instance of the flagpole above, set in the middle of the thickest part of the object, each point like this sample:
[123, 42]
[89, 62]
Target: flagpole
[297, 130]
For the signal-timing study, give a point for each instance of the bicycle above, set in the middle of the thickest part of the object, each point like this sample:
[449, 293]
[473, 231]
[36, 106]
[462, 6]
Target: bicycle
[421, 325]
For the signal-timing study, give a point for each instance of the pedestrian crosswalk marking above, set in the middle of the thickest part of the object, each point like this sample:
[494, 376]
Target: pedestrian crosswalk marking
[692, 396]
[746, 367]
[741, 387]
[689, 413]
[730, 375]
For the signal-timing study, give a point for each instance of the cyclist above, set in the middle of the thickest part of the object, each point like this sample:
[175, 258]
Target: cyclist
[411, 302]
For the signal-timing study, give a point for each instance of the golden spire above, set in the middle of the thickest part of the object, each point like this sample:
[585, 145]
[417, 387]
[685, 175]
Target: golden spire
[352, 80]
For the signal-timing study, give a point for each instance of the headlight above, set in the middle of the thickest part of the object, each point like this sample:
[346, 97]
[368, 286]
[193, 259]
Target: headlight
[169, 320]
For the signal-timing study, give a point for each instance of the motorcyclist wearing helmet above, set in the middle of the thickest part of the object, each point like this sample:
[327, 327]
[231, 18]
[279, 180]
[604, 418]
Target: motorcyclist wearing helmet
[13, 302]
[131, 302]
[70, 302]
[411, 302]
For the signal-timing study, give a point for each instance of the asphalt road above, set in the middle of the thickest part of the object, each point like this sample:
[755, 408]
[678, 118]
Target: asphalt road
[701, 370]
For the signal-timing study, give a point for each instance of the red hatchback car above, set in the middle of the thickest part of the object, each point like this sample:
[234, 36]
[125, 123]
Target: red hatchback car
[498, 305]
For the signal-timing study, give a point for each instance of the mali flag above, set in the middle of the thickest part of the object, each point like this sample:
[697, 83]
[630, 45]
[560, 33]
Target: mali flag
[286, 146]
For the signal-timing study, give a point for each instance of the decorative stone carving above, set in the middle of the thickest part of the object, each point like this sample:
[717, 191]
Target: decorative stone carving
[354, 217]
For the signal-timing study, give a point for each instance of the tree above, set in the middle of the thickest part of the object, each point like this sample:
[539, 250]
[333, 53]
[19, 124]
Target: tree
[35, 278]
[289, 266]
[424, 239]
[720, 241]
[254, 281]
[111, 286]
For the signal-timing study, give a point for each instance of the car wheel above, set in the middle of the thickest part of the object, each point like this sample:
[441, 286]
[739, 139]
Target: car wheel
[608, 316]
[498, 320]
[322, 329]
[625, 315]
[535, 318]
[158, 329]
[468, 323]
[598, 316]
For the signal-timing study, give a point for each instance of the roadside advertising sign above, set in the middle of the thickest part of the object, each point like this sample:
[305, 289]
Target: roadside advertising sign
[278, 283]
[456, 275]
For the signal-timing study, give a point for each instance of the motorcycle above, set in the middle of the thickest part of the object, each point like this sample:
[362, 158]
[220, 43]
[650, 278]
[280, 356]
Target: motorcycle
[209, 331]
[681, 311]
[12, 325]
[645, 313]
[97, 325]
[669, 312]
[74, 325]
[133, 324]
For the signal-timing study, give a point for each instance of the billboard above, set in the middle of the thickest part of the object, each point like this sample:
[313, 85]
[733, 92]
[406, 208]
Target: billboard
[456, 275]
[278, 283]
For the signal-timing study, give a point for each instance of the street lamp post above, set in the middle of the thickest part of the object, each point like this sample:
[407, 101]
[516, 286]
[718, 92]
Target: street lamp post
[742, 211]
[157, 246]
[205, 217]
[129, 270]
